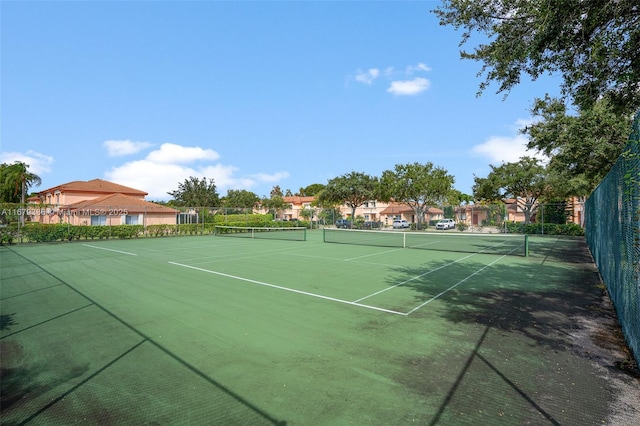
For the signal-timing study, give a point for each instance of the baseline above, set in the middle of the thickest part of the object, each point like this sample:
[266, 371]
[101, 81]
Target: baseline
[319, 296]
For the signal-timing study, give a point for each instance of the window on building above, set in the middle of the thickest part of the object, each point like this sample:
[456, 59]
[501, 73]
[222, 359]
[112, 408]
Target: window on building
[99, 220]
[131, 219]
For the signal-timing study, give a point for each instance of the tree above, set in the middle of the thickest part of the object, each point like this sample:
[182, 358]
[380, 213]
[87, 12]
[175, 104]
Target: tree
[594, 45]
[524, 181]
[194, 192]
[276, 192]
[275, 204]
[240, 198]
[311, 190]
[353, 189]
[15, 181]
[583, 148]
[461, 200]
[420, 186]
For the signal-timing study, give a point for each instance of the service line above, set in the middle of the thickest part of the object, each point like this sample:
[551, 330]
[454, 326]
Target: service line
[319, 296]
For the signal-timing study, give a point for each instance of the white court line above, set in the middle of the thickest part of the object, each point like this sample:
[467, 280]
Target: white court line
[372, 254]
[453, 286]
[333, 299]
[414, 278]
[108, 249]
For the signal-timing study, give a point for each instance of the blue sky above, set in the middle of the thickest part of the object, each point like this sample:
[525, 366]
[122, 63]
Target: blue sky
[250, 94]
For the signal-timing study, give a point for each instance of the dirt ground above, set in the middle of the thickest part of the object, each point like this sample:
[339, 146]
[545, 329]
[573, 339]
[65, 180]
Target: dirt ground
[598, 338]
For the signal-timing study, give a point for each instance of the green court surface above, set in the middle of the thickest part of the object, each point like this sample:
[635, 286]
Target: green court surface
[223, 331]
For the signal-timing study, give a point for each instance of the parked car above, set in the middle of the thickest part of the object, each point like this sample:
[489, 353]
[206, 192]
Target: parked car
[371, 225]
[446, 224]
[343, 223]
[401, 224]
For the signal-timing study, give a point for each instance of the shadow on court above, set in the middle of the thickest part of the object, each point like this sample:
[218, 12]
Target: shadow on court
[65, 364]
[541, 345]
[517, 342]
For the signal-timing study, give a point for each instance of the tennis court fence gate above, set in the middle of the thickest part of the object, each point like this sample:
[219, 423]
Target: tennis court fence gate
[612, 229]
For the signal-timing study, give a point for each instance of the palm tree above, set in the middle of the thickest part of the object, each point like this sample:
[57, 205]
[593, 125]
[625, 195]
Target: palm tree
[15, 181]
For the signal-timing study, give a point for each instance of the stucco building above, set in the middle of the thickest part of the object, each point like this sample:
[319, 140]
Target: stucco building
[97, 202]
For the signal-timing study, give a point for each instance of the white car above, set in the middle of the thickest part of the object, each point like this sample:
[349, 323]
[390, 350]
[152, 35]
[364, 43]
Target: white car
[446, 224]
[401, 224]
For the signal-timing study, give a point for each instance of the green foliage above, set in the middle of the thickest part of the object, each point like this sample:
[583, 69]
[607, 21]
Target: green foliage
[353, 189]
[311, 190]
[15, 181]
[240, 199]
[276, 192]
[571, 229]
[594, 45]
[8, 233]
[461, 226]
[582, 147]
[254, 220]
[523, 181]
[275, 204]
[420, 186]
[194, 192]
[557, 212]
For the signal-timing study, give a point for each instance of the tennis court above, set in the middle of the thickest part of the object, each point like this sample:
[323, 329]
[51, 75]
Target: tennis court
[232, 330]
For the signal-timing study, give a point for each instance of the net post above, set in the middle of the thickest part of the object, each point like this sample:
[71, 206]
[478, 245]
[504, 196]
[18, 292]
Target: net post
[526, 245]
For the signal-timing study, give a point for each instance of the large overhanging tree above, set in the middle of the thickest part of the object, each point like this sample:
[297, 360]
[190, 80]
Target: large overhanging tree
[420, 186]
[524, 181]
[582, 148]
[352, 189]
[594, 45]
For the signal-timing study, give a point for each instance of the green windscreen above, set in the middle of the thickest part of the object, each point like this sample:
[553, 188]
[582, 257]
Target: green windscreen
[612, 229]
[293, 234]
[510, 244]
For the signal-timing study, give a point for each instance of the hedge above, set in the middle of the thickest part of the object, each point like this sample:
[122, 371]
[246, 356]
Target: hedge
[545, 228]
[40, 233]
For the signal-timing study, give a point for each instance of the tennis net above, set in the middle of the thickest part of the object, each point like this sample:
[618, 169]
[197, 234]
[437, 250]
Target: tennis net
[290, 233]
[511, 244]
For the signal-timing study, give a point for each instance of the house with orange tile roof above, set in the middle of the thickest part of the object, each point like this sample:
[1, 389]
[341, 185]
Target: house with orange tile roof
[294, 205]
[371, 211]
[98, 202]
[395, 211]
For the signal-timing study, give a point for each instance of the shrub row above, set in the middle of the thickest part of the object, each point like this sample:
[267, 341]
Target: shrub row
[545, 228]
[40, 233]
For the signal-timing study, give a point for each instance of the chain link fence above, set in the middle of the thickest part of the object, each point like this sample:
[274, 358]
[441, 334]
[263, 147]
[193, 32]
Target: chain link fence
[612, 228]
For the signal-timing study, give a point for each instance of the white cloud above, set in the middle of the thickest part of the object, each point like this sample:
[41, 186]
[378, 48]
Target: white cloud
[409, 87]
[165, 168]
[172, 153]
[505, 149]
[126, 147]
[398, 86]
[418, 68]
[367, 77]
[38, 163]
[274, 177]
